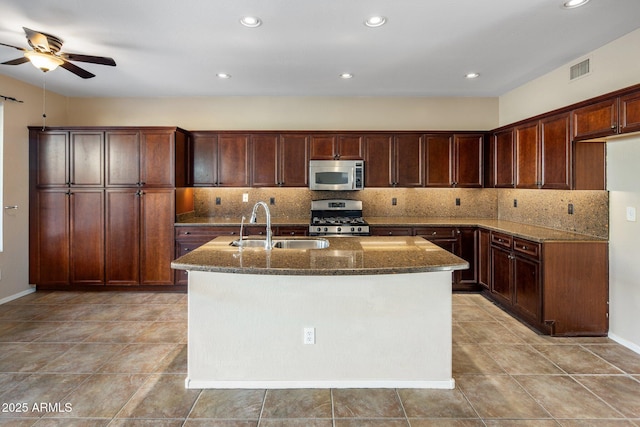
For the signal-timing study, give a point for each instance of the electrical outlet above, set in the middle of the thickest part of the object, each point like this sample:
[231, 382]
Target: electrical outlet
[515, 203]
[394, 201]
[245, 197]
[218, 201]
[272, 200]
[309, 335]
[457, 201]
[631, 213]
[570, 209]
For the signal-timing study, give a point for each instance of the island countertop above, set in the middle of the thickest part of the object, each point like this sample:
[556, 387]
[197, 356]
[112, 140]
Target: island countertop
[364, 255]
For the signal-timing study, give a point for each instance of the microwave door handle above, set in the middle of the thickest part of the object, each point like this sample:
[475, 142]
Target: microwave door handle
[353, 178]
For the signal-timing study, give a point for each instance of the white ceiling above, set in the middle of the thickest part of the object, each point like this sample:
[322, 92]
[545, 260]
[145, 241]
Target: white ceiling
[175, 48]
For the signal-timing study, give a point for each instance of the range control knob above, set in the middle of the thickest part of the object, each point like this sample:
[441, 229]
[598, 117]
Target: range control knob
[353, 229]
[359, 228]
[339, 229]
[318, 229]
[326, 229]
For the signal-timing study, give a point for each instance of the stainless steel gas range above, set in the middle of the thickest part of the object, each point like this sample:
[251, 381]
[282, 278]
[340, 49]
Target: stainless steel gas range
[337, 217]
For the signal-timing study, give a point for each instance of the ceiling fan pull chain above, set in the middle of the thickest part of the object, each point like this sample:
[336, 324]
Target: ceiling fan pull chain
[44, 101]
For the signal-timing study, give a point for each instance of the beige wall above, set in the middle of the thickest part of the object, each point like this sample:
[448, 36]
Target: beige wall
[614, 66]
[291, 113]
[17, 116]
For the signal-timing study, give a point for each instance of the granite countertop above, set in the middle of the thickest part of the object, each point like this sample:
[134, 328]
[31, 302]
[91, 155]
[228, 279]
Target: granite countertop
[344, 256]
[530, 232]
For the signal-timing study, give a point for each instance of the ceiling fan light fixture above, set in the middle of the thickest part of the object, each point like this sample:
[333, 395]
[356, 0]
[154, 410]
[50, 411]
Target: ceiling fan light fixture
[43, 61]
[375, 21]
[570, 4]
[250, 21]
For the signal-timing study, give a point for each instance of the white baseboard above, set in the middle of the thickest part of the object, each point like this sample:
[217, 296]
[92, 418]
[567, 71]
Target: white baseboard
[447, 384]
[18, 295]
[630, 345]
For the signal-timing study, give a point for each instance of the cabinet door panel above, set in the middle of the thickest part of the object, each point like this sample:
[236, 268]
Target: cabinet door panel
[123, 158]
[391, 231]
[409, 160]
[501, 275]
[527, 297]
[630, 113]
[600, 119]
[527, 156]
[323, 147]
[205, 153]
[52, 238]
[157, 157]
[484, 259]
[469, 156]
[265, 160]
[234, 160]
[439, 160]
[556, 152]
[87, 237]
[156, 237]
[294, 161]
[122, 236]
[468, 244]
[350, 147]
[378, 167]
[502, 159]
[52, 167]
[87, 158]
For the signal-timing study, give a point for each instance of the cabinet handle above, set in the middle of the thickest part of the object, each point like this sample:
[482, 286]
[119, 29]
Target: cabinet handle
[187, 249]
[232, 233]
[187, 233]
[11, 207]
[391, 233]
[524, 247]
[614, 126]
[293, 233]
[434, 233]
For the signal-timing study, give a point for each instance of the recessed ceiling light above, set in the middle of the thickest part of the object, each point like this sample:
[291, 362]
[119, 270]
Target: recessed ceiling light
[471, 75]
[223, 76]
[250, 21]
[375, 21]
[570, 4]
[346, 76]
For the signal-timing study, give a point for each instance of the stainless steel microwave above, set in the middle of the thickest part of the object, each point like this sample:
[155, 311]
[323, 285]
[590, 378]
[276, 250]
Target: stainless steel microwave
[336, 175]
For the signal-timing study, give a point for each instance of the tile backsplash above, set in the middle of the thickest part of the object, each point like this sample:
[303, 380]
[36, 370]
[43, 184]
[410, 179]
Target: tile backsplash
[547, 208]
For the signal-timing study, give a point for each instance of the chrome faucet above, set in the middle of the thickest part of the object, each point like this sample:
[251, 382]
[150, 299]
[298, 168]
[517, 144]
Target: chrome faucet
[252, 220]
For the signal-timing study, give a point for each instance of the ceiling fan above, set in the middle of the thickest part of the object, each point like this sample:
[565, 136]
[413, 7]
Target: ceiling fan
[46, 55]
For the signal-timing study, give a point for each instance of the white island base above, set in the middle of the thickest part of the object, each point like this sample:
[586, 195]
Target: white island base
[380, 330]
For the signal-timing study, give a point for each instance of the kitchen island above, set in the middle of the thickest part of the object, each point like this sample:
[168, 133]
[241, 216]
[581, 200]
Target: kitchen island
[364, 312]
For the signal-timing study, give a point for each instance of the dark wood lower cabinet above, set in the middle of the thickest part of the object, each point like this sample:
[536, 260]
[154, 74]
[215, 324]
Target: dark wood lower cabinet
[557, 287]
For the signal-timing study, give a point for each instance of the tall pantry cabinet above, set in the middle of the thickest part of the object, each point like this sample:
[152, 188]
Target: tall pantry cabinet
[102, 206]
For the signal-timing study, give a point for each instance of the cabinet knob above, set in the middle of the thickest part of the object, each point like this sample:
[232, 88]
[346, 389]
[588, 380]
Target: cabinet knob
[434, 233]
[391, 233]
[187, 233]
[293, 233]
[524, 247]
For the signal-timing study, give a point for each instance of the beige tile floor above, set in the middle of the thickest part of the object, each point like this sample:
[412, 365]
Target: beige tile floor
[119, 359]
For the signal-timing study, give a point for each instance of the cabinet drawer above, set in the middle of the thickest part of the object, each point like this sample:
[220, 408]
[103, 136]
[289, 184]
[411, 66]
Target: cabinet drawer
[431, 233]
[206, 231]
[503, 240]
[391, 231]
[526, 247]
[293, 231]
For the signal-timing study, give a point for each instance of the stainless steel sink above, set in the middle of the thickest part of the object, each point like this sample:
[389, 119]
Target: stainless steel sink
[301, 244]
[283, 244]
[249, 243]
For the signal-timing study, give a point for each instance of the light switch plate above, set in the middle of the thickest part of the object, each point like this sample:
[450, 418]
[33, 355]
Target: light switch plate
[631, 213]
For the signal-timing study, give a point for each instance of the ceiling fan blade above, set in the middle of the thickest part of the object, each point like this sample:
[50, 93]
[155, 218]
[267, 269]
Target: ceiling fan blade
[15, 47]
[38, 40]
[16, 61]
[77, 70]
[102, 60]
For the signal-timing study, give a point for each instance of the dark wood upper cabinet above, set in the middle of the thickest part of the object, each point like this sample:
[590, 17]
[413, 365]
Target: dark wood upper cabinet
[378, 160]
[502, 155]
[468, 160]
[122, 158]
[50, 165]
[596, 120]
[409, 160]
[233, 160]
[293, 160]
[527, 156]
[439, 151]
[556, 152]
[157, 158]
[336, 147]
[205, 155]
[630, 113]
[280, 160]
[86, 158]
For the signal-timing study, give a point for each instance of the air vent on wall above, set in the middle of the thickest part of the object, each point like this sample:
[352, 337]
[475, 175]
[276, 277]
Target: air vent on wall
[579, 70]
